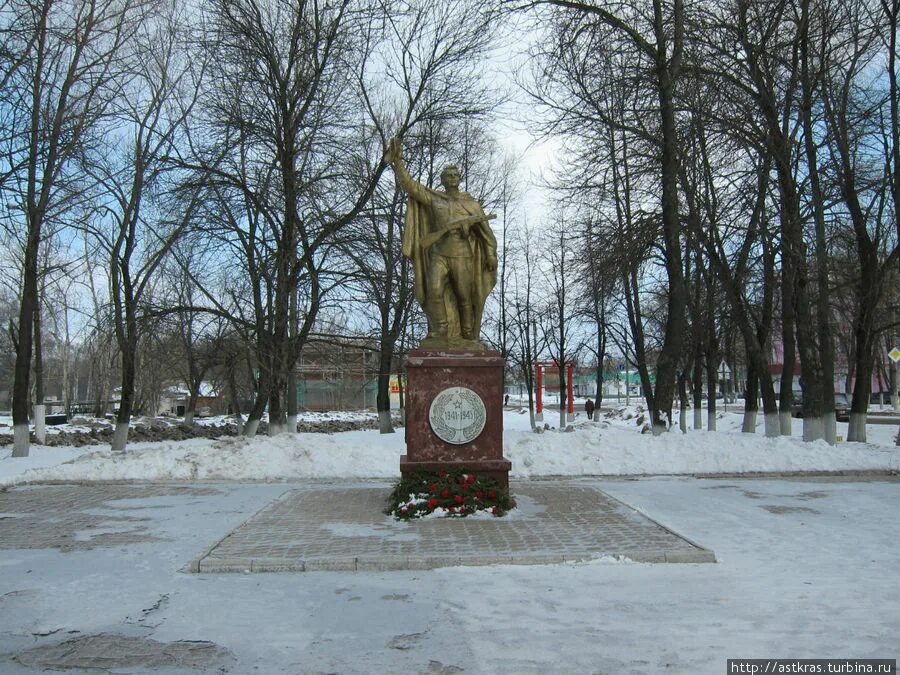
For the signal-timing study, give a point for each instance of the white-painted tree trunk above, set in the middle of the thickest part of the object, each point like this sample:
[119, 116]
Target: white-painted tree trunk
[40, 424]
[120, 437]
[698, 418]
[830, 422]
[711, 420]
[772, 422]
[20, 440]
[275, 428]
[784, 420]
[682, 420]
[384, 422]
[856, 431]
[291, 424]
[251, 427]
[662, 427]
[749, 424]
[189, 417]
[813, 428]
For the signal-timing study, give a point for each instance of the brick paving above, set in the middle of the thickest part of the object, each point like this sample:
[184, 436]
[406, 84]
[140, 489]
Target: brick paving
[345, 528]
[79, 517]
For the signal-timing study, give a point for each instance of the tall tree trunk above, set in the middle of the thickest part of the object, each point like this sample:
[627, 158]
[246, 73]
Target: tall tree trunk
[823, 307]
[562, 396]
[383, 396]
[235, 401]
[126, 402]
[751, 399]
[40, 429]
[24, 339]
[697, 389]
[682, 401]
[788, 360]
[263, 389]
[675, 324]
[712, 356]
[862, 389]
[291, 384]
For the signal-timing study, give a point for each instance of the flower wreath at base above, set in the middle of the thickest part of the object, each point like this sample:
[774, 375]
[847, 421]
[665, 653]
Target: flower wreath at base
[450, 494]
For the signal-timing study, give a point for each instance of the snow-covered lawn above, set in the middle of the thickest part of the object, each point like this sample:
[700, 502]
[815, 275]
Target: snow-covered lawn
[605, 447]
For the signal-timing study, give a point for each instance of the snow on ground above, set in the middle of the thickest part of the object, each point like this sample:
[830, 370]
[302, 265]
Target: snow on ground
[605, 447]
[805, 569]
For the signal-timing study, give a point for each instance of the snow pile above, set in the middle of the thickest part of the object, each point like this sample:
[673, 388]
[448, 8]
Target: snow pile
[608, 447]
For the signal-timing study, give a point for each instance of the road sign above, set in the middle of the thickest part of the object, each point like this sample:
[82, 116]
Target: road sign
[894, 354]
[621, 366]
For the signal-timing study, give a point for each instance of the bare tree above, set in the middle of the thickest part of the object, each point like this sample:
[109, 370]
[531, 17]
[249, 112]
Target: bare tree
[559, 258]
[141, 210]
[647, 39]
[525, 313]
[286, 86]
[61, 72]
[852, 115]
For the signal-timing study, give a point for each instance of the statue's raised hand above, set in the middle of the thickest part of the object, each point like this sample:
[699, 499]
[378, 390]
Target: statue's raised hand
[393, 151]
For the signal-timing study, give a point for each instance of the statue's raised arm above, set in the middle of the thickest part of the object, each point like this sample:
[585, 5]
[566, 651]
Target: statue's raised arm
[454, 254]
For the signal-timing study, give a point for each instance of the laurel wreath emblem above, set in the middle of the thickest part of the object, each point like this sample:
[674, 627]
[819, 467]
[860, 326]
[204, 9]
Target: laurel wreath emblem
[461, 399]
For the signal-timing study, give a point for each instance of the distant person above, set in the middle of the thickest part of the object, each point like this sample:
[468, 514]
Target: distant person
[506, 400]
[589, 408]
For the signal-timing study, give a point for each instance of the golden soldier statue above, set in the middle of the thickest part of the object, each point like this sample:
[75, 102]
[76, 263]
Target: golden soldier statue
[454, 255]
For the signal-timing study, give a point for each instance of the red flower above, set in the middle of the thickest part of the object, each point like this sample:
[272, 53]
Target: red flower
[462, 480]
[443, 474]
[445, 493]
[403, 510]
[464, 488]
[471, 478]
[432, 488]
[479, 494]
[492, 494]
[432, 504]
[494, 510]
[451, 509]
[459, 499]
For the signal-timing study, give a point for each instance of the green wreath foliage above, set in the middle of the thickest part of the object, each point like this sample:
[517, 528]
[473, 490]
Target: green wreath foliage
[452, 494]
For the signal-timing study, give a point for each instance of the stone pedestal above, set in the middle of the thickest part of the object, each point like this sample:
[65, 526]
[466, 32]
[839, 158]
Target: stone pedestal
[429, 376]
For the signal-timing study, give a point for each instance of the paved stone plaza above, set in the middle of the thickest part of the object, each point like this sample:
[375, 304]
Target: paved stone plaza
[81, 517]
[346, 529]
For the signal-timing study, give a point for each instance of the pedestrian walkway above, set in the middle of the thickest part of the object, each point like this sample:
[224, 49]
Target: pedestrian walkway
[346, 529]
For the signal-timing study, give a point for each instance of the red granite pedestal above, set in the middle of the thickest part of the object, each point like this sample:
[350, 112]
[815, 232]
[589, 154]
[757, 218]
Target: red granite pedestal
[428, 373]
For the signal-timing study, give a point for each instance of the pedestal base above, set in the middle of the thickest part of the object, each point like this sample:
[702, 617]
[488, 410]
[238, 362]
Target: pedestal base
[492, 468]
[430, 372]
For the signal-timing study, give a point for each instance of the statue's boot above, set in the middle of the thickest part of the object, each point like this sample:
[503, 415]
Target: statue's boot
[467, 322]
